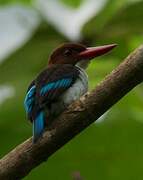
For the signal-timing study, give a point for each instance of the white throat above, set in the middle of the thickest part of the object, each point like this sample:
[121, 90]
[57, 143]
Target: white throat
[83, 64]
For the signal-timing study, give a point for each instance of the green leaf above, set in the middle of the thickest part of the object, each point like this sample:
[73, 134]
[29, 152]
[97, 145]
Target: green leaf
[72, 3]
[117, 20]
[3, 2]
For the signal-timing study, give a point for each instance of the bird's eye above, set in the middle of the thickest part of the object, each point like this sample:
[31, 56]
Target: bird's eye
[67, 52]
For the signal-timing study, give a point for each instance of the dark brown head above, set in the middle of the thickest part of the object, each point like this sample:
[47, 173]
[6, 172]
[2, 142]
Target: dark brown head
[72, 53]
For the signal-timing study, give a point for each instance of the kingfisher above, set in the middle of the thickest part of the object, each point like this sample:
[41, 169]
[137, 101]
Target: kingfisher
[63, 81]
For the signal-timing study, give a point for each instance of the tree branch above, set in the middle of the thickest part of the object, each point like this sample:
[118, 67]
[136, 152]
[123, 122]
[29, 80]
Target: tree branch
[26, 156]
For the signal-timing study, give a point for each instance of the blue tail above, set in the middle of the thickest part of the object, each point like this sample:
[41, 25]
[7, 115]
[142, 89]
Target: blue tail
[38, 126]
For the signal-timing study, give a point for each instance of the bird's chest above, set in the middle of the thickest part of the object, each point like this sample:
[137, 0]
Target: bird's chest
[79, 88]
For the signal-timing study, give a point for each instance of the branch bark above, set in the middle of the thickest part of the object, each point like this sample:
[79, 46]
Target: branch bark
[26, 156]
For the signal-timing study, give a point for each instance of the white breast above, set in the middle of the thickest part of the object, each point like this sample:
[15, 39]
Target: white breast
[79, 88]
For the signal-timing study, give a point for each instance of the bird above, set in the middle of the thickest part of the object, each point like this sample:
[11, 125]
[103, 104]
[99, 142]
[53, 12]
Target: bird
[63, 81]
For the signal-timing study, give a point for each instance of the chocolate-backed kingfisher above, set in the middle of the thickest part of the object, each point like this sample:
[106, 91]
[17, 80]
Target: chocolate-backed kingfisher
[59, 84]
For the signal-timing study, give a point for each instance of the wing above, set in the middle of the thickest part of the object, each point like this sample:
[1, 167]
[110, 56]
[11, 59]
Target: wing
[29, 100]
[38, 126]
[50, 84]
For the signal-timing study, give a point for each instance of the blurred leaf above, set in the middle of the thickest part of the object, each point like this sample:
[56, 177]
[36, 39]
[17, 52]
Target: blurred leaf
[72, 3]
[18, 24]
[97, 23]
[6, 92]
[3, 2]
[117, 20]
[126, 22]
[67, 20]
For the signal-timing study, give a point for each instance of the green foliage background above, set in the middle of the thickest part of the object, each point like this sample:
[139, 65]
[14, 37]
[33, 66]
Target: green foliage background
[112, 149]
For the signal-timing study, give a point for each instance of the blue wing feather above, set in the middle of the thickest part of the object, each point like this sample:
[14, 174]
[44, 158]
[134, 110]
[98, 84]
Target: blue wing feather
[46, 88]
[62, 83]
[29, 99]
[38, 126]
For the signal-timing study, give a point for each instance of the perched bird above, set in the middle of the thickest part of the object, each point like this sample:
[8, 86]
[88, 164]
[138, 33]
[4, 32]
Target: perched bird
[59, 84]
